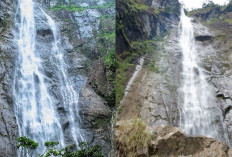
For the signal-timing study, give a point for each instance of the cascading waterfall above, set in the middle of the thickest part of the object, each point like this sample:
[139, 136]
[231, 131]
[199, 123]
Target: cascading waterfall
[69, 95]
[35, 111]
[35, 108]
[198, 113]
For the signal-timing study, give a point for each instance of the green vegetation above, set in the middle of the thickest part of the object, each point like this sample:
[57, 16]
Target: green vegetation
[129, 17]
[71, 7]
[106, 46]
[126, 61]
[132, 7]
[27, 144]
[207, 7]
[5, 24]
[134, 136]
[101, 122]
[110, 63]
[84, 150]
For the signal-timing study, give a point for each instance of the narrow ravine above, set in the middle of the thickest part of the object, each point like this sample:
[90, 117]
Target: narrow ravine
[199, 114]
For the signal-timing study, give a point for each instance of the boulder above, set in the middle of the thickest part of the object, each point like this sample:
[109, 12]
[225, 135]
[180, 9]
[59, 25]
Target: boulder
[166, 141]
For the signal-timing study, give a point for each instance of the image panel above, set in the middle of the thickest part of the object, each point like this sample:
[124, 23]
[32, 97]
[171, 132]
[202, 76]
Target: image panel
[173, 77]
[57, 67]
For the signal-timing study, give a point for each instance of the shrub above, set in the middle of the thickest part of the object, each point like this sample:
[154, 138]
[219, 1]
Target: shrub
[134, 136]
[84, 150]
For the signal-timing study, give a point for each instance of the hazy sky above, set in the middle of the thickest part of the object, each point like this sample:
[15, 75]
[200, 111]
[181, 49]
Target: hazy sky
[192, 4]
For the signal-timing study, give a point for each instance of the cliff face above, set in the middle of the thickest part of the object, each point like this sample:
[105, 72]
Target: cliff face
[144, 19]
[154, 92]
[139, 24]
[8, 125]
[87, 36]
[218, 63]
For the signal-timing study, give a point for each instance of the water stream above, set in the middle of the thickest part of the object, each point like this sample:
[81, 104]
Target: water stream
[199, 114]
[35, 108]
[69, 96]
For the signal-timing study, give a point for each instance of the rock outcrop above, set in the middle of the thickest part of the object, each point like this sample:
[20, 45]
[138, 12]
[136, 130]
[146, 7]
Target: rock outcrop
[143, 20]
[165, 141]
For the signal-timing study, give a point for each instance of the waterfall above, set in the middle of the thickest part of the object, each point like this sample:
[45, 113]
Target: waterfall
[199, 114]
[69, 95]
[35, 108]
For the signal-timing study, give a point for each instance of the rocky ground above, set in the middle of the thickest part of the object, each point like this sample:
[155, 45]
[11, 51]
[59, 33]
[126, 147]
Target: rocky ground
[164, 141]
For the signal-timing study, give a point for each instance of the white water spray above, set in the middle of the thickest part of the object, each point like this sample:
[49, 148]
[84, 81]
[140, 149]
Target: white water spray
[199, 114]
[69, 95]
[35, 108]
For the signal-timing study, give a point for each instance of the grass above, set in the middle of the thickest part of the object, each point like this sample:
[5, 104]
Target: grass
[126, 61]
[134, 136]
[228, 20]
[121, 78]
[105, 41]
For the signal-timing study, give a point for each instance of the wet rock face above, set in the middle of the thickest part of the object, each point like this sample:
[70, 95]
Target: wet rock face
[80, 31]
[203, 38]
[8, 125]
[96, 119]
[74, 42]
[82, 27]
[78, 40]
[216, 60]
[134, 24]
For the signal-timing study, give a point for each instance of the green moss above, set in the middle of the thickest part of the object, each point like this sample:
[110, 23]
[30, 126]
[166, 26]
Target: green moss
[105, 44]
[5, 24]
[126, 61]
[228, 20]
[101, 122]
[73, 8]
[121, 78]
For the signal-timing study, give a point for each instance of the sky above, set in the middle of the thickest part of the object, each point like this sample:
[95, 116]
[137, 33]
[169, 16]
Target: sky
[193, 4]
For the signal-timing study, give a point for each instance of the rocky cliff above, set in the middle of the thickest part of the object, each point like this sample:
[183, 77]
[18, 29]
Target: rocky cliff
[153, 93]
[87, 34]
[8, 125]
[217, 20]
[139, 23]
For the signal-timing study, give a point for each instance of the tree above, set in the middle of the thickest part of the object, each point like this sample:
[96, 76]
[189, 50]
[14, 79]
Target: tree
[69, 151]
[27, 144]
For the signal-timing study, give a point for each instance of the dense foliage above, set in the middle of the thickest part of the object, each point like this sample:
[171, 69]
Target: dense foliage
[29, 146]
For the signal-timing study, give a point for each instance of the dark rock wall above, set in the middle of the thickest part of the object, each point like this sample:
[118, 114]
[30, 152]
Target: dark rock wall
[144, 19]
